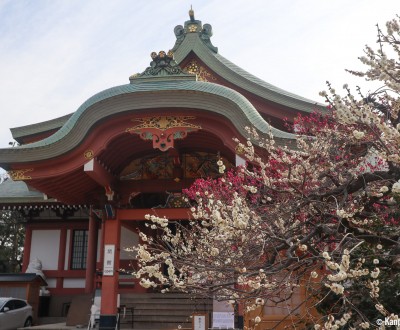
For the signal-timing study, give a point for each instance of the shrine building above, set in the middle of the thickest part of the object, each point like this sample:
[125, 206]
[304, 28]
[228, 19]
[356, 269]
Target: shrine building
[85, 181]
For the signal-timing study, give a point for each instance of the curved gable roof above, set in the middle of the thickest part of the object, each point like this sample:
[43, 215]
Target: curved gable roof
[19, 133]
[245, 109]
[195, 37]
[199, 43]
[138, 96]
[14, 193]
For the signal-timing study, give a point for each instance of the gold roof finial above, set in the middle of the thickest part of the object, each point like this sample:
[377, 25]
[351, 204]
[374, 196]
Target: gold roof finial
[191, 13]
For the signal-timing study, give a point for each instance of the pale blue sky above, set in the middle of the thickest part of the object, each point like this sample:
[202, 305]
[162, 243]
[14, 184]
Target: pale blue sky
[54, 54]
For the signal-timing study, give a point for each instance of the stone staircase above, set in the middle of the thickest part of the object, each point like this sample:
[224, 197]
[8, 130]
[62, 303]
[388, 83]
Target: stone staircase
[161, 311]
[51, 320]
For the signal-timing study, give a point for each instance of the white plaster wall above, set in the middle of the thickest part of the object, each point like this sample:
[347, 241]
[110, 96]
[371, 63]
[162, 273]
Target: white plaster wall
[66, 261]
[128, 239]
[70, 283]
[52, 282]
[239, 161]
[45, 246]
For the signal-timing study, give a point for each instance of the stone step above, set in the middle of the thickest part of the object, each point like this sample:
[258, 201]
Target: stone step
[156, 325]
[161, 326]
[161, 318]
[162, 297]
[50, 320]
[162, 311]
[52, 326]
[159, 295]
[163, 305]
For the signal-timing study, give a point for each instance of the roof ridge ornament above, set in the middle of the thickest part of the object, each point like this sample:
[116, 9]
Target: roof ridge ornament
[191, 13]
[194, 26]
[162, 65]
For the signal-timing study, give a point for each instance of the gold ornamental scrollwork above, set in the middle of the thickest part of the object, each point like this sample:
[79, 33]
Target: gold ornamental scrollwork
[88, 154]
[163, 130]
[163, 122]
[18, 175]
[202, 74]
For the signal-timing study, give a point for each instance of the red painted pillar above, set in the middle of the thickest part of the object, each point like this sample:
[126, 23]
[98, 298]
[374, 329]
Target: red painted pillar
[27, 247]
[61, 256]
[109, 287]
[91, 254]
[103, 221]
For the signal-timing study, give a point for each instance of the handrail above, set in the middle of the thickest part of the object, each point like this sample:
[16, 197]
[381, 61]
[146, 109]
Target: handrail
[117, 323]
[95, 316]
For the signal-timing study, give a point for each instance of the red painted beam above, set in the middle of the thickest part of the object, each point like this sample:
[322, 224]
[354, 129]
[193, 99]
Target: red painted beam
[139, 214]
[64, 273]
[99, 173]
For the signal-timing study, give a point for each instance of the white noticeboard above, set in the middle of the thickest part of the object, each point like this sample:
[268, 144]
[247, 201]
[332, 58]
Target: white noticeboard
[199, 322]
[108, 266]
[223, 320]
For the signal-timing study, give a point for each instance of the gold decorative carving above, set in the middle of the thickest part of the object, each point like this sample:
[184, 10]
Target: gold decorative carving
[88, 154]
[135, 75]
[18, 175]
[192, 28]
[202, 74]
[163, 130]
[239, 150]
[163, 123]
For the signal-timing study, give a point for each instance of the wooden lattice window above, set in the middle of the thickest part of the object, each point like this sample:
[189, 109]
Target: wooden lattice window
[79, 249]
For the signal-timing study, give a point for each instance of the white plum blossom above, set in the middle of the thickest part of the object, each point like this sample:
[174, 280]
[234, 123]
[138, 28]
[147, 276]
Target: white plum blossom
[384, 189]
[396, 187]
[301, 221]
[358, 135]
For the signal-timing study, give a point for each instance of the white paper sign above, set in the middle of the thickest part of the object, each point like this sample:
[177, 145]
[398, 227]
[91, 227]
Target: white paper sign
[199, 322]
[223, 320]
[108, 266]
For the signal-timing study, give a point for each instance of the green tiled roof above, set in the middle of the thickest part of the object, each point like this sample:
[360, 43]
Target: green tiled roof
[13, 189]
[247, 109]
[17, 192]
[22, 277]
[49, 125]
[139, 96]
[165, 92]
[240, 77]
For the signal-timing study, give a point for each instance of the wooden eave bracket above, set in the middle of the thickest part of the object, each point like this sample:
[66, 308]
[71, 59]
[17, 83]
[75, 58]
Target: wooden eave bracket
[102, 176]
